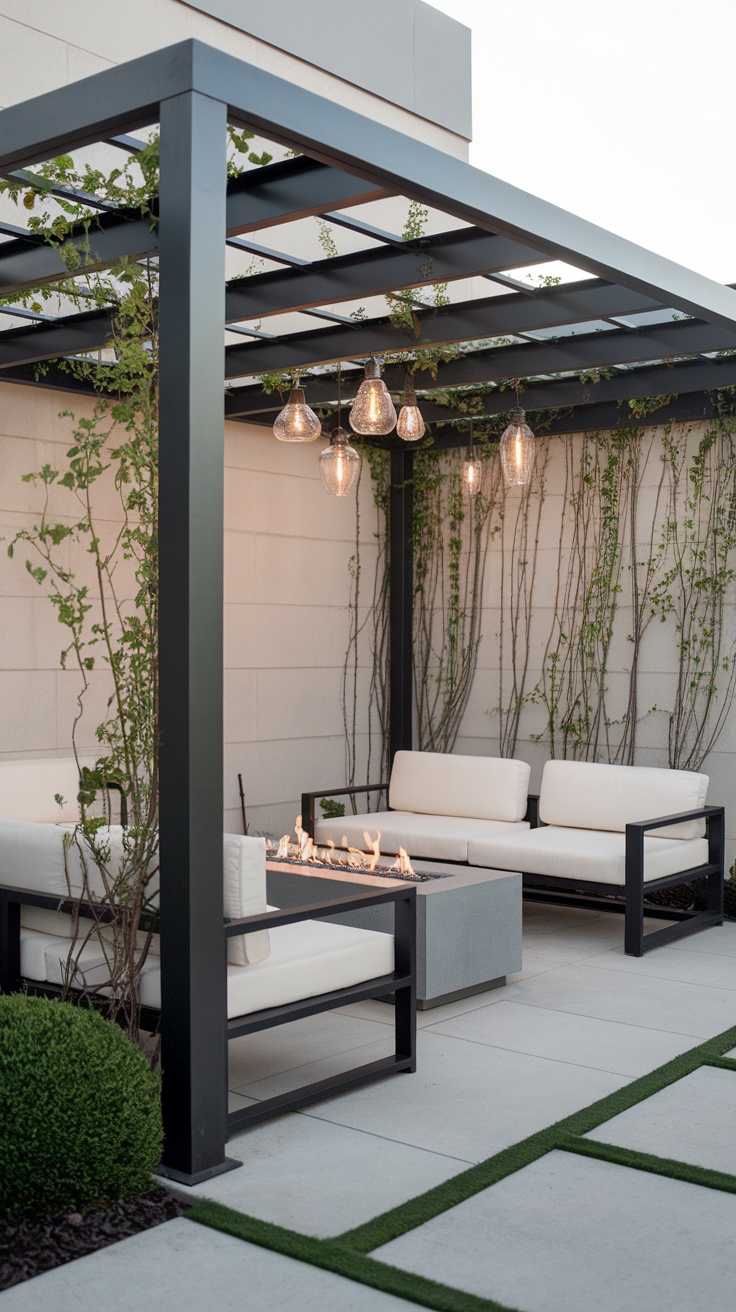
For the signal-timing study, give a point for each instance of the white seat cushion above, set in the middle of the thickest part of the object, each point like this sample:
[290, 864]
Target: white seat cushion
[431, 837]
[478, 787]
[584, 795]
[306, 959]
[585, 854]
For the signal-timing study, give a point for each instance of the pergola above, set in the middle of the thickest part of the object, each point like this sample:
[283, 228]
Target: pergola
[652, 326]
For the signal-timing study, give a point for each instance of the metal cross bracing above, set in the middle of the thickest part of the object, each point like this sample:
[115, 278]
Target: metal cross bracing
[344, 163]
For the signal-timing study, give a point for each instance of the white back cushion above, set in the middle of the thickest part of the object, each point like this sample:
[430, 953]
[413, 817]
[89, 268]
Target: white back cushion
[583, 795]
[28, 788]
[478, 787]
[244, 879]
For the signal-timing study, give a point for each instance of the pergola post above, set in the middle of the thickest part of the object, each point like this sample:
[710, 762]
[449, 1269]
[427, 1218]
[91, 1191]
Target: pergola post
[401, 598]
[193, 969]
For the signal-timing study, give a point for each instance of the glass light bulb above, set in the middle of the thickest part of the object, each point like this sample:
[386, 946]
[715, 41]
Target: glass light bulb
[372, 413]
[297, 422]
[339, 464]
[517, 450]
[410, 424]
[472, 471]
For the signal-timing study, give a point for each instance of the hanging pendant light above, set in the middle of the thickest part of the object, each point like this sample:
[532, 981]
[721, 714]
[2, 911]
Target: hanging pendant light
[472, 468]
[373, 413]
[297, 422]
[517, 450]
[410, 425]
[339, 462]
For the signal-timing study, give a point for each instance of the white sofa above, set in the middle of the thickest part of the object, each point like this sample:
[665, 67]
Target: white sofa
[614, 829]
[603, 831]
[438, 805]
[287, 962]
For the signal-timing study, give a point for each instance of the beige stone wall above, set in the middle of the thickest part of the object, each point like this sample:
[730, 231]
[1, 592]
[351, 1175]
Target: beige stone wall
[658, 661]
[287, 588]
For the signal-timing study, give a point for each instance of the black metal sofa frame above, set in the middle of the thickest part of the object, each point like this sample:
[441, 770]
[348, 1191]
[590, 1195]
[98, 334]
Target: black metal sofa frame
[400, 984]
[629, 899]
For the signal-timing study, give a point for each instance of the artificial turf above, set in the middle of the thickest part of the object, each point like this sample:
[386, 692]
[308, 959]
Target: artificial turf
[348, 1254]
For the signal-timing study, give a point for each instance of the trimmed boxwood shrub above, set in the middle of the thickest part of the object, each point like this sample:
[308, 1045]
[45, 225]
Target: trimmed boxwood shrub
[80, 1113]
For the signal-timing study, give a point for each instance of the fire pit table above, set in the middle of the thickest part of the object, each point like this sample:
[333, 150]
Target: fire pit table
[468, 920]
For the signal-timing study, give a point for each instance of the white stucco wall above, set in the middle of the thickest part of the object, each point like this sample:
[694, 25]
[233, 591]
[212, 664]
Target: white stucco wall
[45, 44]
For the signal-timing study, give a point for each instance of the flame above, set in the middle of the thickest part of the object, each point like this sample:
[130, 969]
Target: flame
[403, 863]
[375, 845]
[304, 850]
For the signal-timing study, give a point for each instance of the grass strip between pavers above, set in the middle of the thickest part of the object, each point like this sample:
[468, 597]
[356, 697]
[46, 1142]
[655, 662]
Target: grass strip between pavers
[347, 1254]
[331, 1255]
[721, 1063]
[407, 1216]
[676, 1170]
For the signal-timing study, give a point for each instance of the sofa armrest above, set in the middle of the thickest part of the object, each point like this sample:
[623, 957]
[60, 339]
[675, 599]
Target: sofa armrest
[405, 923]
[308, 800]
[714, 817]
[315, 910]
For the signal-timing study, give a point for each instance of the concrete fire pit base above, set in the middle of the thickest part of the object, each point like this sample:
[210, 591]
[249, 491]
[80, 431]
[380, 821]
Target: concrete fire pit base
[468, 922]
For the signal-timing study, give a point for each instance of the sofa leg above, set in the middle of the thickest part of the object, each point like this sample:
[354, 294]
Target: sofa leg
[405, 999]
[634, 875]
[9, 945]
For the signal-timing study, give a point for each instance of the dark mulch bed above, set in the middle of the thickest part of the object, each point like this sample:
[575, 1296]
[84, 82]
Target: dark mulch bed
[32, 1244]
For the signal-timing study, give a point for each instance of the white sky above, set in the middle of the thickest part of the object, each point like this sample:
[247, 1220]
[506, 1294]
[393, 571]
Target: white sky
[619, 110]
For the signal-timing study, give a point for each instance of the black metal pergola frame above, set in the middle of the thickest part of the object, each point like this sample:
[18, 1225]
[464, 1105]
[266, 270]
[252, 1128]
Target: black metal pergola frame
[192, 91]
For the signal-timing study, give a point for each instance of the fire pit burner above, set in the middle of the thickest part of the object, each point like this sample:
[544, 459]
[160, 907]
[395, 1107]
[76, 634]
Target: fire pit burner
[304, 851]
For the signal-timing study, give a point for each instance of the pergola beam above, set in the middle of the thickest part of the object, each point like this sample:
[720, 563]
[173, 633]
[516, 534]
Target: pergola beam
[463, 253]
[261, 198]
[468, 321]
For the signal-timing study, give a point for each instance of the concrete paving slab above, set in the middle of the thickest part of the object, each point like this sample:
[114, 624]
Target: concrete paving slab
[185, 1267]
[561, 1036]
[320, 1178]
[691, 1121]
[466, 1100]
[719, 939]
[701, 968]
[570, 1234]
[289, 1046]
[630, 998]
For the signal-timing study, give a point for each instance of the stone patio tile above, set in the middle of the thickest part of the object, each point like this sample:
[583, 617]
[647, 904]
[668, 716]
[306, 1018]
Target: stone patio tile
[185, 1267]
[700, 968]
[631, 998]
[379, 1011]
[583, 1040]
[570, 1234]
[691, 1121]
[319, 1178]
[287, 1047]
[719, 939]
[466, 1100]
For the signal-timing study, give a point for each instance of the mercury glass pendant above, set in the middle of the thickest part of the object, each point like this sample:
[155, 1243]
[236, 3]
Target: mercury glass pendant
[517, 450]
[372, 413]
[297, 422]
[410, 425]
[339, 464]
[472, 470]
